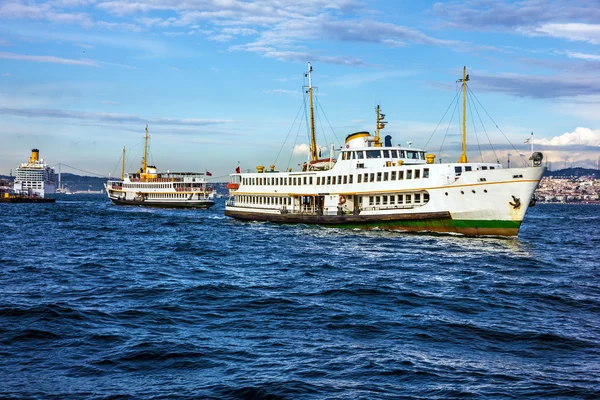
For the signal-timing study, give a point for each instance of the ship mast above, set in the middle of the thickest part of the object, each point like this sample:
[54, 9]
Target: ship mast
[465, 78]
[123, 165]
[144, 161]
[313, 141]
[380, 125]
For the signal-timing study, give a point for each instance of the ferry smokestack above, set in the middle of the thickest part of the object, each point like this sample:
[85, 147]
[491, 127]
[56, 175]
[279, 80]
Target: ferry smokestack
[35, 155]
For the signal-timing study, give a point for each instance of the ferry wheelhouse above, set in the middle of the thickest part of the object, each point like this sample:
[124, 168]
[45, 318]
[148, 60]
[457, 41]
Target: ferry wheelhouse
[374, 185]
[35, 177]
[147, 187]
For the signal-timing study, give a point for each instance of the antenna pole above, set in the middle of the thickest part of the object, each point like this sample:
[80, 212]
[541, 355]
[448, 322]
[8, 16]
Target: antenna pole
[313, 140]
[123, 165]
[531, 143]
[145, 160]
[380, 125]
[465, 78]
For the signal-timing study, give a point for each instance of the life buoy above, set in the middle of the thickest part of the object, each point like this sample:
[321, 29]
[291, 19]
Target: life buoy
[342, 199]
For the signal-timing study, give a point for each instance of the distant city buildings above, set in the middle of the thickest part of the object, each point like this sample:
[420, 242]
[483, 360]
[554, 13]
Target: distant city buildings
[583, 189]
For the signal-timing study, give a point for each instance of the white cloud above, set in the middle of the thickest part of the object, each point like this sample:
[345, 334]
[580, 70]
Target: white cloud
[283, 91]
[581, 136]
[48, 113]
[301, 149]
[574, 31]
[355, 80]
[583, 56]
[304, 149]
[48, 59]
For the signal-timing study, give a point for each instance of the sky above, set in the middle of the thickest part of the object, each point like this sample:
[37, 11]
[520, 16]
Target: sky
[221, 82]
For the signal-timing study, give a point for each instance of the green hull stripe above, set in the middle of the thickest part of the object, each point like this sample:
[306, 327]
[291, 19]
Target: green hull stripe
[438, 223]
[432, 222]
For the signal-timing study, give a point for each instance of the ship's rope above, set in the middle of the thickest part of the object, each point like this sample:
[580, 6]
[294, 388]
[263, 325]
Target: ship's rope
[448, 127]
[490, 117]
[475, 127]
[297, 135]
[328, 123]
[441, 119]
[288, 135]
[483, 126]
[117, 164]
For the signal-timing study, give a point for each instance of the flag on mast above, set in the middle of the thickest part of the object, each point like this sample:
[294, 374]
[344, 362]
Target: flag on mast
[238, 169]
[208, 173]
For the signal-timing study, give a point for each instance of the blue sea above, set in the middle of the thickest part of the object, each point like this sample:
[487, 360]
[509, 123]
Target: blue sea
[106, 302]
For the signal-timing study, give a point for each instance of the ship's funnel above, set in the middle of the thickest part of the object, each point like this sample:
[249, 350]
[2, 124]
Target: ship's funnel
[35, 155]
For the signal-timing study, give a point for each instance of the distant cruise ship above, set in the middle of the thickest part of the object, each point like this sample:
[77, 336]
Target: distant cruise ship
[35, 177]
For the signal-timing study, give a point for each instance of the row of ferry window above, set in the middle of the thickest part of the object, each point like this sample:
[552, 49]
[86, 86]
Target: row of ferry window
[148, 186]
[341, 179]
[168, 195]
[415, 198]
[392, 199]
[459, 170]
[365, 154]
[283, 201]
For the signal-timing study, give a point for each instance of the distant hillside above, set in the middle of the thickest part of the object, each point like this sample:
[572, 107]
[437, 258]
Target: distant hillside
[572, 172]
[77, 182]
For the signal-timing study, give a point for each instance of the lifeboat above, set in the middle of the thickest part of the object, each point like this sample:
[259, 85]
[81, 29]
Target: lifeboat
[318, 165]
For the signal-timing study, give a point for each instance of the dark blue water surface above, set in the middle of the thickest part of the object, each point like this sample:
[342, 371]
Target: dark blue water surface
[101, 301]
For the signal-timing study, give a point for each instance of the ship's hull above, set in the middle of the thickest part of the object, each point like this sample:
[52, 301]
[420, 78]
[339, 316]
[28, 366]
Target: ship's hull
[440, 222]
[205, 204]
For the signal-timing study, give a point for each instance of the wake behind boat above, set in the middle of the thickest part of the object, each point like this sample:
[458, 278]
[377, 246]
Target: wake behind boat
[372, 185]
[147, 187]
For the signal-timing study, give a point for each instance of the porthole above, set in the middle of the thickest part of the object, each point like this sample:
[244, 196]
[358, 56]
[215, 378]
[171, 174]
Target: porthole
[484, 190]
[446, 193]
[461, 192]
[473, 191]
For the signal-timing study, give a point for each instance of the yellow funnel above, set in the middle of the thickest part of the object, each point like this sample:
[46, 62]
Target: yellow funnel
[35, 155]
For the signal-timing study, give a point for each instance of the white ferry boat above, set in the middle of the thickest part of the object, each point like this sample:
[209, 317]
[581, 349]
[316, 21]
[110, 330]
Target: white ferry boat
[147, 187]
[371, 185]
[35, 177]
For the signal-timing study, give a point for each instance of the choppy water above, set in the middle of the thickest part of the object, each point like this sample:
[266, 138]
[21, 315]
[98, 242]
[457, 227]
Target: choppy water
[100, 301]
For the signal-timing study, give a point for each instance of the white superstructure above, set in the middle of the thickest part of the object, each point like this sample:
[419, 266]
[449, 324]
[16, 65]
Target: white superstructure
[35, 177]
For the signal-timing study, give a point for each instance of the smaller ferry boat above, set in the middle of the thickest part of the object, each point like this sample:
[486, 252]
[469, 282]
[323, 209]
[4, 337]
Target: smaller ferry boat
[35, 177]
[147, 187]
